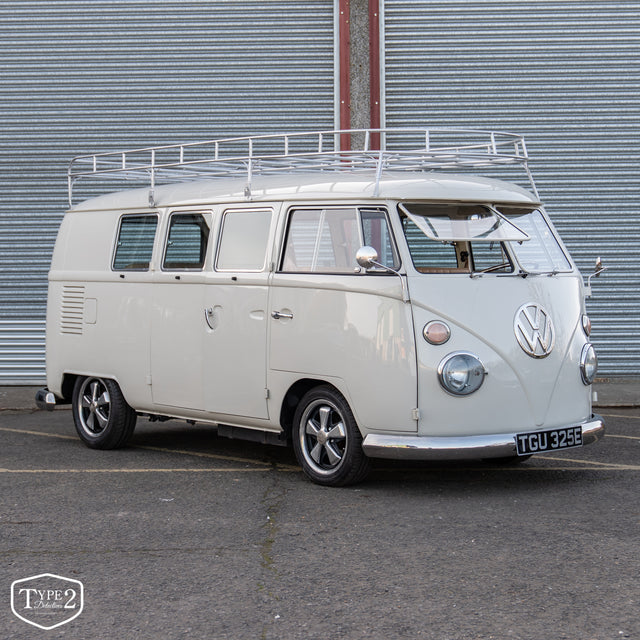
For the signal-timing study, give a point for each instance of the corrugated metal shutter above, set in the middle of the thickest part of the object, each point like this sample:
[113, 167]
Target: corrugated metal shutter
[566, 75]
[111, 74]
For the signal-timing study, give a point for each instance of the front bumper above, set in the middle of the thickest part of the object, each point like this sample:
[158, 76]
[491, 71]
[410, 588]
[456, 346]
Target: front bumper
[501, 445]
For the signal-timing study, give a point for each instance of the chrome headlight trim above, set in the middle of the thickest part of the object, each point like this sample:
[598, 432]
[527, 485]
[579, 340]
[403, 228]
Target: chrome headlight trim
[588, 364]
[586, 324]
[468, 377]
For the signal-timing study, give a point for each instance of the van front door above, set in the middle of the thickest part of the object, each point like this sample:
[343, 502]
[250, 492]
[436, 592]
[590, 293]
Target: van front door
[334, 323]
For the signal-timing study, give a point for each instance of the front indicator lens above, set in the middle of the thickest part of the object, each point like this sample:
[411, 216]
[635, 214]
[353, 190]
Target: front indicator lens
[588, 364]
[436, 332]
[461, 373]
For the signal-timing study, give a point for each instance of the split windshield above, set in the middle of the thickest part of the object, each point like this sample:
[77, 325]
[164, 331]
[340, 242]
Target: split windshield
[445, 238]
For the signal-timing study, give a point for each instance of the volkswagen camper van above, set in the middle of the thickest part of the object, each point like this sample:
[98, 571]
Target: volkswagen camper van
[400, 302]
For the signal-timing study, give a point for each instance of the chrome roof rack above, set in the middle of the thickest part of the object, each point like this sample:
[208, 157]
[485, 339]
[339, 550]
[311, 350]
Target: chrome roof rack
[409, 149]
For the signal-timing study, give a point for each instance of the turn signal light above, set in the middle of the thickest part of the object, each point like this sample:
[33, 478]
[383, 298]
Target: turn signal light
[436, 332]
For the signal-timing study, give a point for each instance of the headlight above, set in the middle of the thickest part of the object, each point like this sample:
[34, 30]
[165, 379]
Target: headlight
[588, 363]
[461, 373]
[586, 325]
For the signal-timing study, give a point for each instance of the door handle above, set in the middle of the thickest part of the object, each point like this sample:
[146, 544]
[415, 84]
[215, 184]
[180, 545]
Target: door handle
[277, 315]
[211, 318]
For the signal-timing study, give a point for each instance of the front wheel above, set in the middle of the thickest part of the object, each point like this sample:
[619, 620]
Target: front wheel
[326, 439]
[102, 417]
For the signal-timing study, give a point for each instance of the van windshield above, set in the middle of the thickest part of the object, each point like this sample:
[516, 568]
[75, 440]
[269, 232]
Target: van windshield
[450, 238]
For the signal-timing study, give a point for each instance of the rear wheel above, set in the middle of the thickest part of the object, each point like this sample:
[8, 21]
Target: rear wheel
[326, 439]
[102, 417]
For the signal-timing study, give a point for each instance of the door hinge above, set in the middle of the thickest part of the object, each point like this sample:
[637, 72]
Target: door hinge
[415, 414]
[266, 394]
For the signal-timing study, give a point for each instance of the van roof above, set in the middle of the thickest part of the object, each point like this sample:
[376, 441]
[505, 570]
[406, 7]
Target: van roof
[314, 186]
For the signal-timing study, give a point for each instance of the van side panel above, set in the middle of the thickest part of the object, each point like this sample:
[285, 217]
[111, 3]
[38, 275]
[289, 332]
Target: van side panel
[98, 322]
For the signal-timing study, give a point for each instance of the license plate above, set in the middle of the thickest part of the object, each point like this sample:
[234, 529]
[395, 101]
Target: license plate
[550, 440]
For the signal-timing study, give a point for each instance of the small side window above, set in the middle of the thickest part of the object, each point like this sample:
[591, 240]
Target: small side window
[134, 247]
[186, 241]
[244, 239]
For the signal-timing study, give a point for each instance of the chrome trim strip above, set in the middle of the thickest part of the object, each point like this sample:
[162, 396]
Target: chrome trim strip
[499, 445]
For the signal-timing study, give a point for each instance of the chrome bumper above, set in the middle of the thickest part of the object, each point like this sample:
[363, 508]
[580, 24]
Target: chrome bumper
[45, 399]
[500, 445]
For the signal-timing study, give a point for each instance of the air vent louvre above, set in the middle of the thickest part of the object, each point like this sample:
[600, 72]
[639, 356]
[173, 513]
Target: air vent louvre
[72, 309]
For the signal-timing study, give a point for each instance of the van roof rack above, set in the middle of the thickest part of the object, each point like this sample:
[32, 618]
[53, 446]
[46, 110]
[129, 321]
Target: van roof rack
[380, 150]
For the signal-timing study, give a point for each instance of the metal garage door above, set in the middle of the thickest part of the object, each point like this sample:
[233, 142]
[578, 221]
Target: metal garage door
[102, 75]
[566, 75]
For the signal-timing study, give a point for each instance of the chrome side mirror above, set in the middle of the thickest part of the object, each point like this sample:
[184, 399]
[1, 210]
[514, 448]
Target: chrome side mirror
[367, 257]
[599, 267]
[598, 270]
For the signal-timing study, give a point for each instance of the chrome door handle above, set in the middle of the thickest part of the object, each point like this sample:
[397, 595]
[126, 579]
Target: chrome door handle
[211, 318]
[277, 315]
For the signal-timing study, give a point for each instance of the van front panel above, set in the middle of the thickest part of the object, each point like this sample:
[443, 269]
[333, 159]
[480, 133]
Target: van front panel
[520, 392]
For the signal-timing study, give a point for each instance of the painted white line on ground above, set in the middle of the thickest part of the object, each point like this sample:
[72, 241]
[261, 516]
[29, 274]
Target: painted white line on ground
[39, 433]
[183, 470]
[604, 465]
[197, 454]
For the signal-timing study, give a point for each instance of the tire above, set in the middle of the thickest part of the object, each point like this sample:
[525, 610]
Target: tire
[326, 439]
[102, 417]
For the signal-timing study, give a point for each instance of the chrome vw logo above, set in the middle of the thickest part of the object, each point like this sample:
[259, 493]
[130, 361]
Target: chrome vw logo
[534, 330]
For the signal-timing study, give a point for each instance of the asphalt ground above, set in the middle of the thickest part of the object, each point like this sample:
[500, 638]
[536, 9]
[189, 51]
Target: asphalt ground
[187, 535]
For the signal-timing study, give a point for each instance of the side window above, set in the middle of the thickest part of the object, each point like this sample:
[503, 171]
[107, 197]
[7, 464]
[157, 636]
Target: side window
[135, 243]
[243, 240]
[186, 241]
[322, 241]
[377, 234]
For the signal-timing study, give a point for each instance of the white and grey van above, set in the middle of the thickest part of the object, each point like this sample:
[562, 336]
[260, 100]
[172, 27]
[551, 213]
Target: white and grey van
[395, 303]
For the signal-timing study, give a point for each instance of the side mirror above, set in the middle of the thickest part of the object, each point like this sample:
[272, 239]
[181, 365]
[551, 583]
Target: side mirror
[367, 257]
[599, 269]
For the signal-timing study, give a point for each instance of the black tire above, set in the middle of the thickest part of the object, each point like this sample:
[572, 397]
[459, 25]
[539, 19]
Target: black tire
[102, 417]
[326, 439]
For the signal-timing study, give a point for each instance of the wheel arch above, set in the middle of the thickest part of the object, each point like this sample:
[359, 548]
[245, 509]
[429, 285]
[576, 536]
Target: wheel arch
[66, 388]
[293, 396]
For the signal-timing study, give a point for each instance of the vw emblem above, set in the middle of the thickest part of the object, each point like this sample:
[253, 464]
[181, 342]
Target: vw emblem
[534, 330]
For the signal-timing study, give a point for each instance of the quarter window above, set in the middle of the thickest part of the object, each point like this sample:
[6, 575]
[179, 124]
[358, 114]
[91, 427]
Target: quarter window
[134, 247]
[186, 241]
[377, 234]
